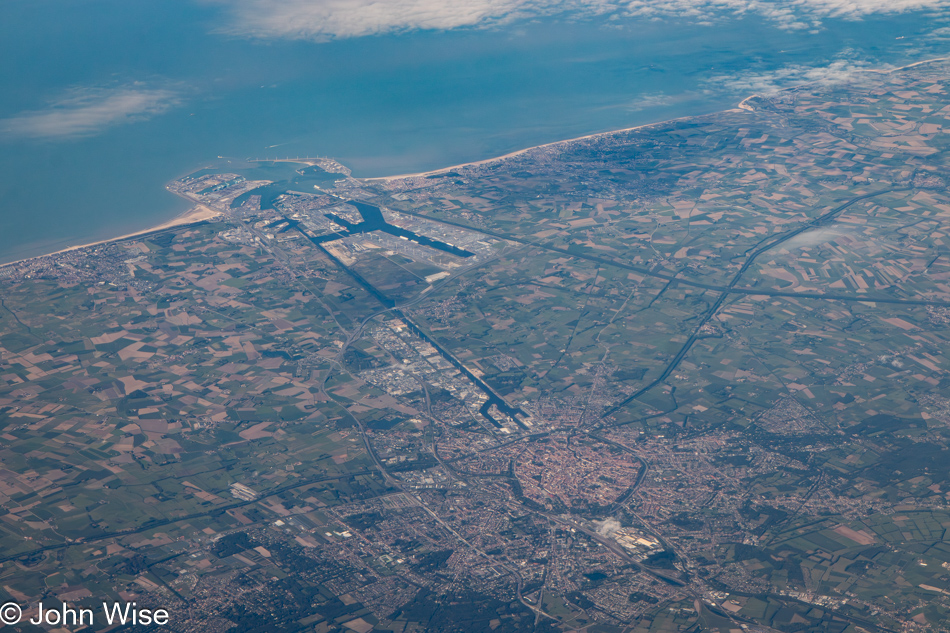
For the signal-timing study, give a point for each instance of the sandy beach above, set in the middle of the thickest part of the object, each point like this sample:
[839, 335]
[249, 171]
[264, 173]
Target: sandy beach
[742, 105]
[198, 213]
[493, 159]
[202, 212]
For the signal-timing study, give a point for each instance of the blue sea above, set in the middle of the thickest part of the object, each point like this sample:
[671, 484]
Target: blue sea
[102, 102]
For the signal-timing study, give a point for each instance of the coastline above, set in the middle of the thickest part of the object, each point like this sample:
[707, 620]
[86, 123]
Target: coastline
[201, 212]
[742, 105]
[485, 161]
[198, 213]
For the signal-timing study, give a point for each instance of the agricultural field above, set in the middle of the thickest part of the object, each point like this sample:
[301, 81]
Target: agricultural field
[686, 377]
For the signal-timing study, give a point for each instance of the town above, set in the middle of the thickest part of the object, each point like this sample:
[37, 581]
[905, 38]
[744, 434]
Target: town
[687, 377]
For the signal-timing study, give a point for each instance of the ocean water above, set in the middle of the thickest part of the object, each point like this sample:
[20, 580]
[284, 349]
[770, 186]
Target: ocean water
[382, 104]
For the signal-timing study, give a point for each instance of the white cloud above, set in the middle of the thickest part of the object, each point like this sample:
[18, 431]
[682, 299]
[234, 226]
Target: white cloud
[815, 237]
[656, 100]
[792, 14]
[88, 111]
[328, 19]
[608, 526]
[769, 82]
[942, 33]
